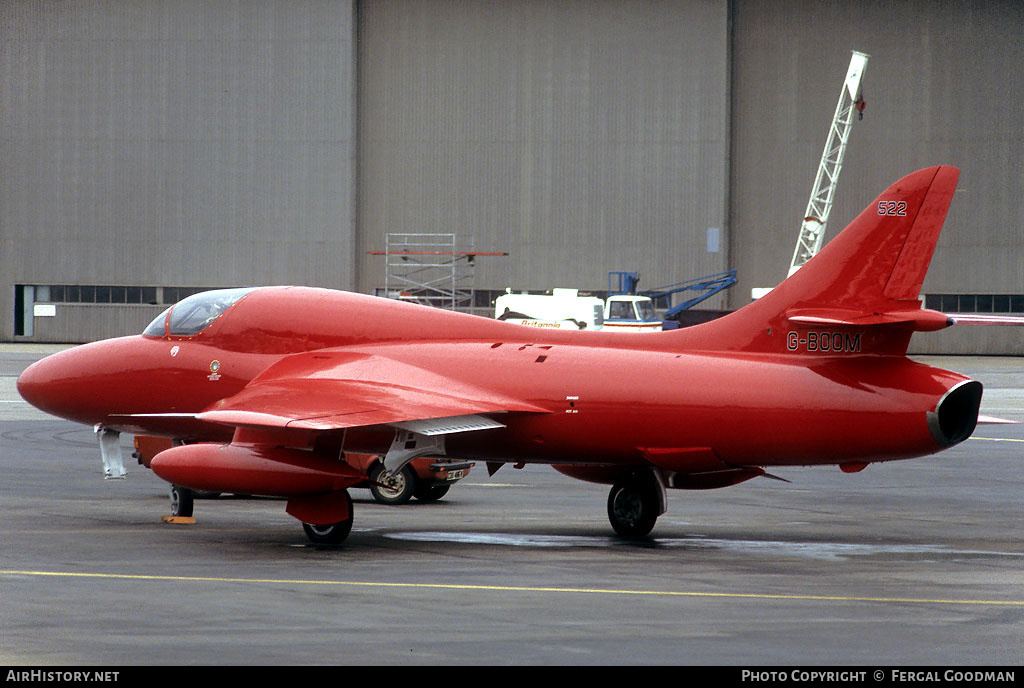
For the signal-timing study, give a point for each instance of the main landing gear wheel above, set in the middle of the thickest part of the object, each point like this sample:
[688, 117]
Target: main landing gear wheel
[633, 507]
[182, 501]
[431, 492]
[392, 488]
[330, 533]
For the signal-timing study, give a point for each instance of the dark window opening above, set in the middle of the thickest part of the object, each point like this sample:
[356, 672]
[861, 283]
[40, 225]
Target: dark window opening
[19, 310]
[975, 303]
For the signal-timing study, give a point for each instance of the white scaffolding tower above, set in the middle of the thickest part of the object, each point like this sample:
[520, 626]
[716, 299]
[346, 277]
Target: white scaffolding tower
[430, 269]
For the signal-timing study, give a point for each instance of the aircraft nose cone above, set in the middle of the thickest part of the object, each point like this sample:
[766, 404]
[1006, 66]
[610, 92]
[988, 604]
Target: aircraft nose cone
[74, 384]
[36, 386]
[92, 382]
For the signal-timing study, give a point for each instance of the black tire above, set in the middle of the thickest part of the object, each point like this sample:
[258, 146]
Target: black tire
[632, 508]
[182, 501]
[431, 492]
[392, 489]
[331, 533]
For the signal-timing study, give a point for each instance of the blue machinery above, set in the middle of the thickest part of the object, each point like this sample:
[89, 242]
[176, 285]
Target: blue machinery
[624, 282]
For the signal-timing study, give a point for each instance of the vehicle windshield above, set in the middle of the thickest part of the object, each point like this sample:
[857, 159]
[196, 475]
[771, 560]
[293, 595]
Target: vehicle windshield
[192, 315]
[645, 309]
[621, 310]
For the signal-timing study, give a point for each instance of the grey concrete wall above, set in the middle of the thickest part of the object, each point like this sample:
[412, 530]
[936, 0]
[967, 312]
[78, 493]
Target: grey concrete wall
[75, 322]
[943, 86]
[206, 143]
[217, 143]
[581, 137]
[970, 340]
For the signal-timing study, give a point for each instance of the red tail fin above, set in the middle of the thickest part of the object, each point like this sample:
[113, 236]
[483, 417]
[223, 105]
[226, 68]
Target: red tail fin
[859, 295]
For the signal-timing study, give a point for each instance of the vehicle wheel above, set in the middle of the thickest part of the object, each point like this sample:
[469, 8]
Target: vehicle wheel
[431, 492]
[330, 533]
[392, 488]
[632, 509]
[182, 501]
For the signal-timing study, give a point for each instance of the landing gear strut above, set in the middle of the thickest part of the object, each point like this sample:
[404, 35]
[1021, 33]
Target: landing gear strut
[635, 503]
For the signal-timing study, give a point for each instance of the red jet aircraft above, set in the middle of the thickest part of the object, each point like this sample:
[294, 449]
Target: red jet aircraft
[264, 389]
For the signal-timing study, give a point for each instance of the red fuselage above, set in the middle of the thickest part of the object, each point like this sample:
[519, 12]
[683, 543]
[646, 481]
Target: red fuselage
[607, 398]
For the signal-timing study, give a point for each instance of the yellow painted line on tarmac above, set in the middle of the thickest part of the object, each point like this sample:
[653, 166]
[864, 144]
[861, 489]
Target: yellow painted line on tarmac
[997, 439]
[517, 588]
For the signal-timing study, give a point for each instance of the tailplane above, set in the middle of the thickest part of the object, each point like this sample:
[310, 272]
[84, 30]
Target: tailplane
[859, 295]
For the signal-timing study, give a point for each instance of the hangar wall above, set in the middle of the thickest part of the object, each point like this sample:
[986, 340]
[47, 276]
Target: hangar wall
[178, 144]
[581, 137]
[165, 146]
[943, 86]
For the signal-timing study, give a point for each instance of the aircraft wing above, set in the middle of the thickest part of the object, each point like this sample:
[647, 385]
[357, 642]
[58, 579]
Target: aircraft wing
[330, 390]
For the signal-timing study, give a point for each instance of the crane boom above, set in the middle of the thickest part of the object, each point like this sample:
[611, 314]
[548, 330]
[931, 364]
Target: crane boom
[812, 230]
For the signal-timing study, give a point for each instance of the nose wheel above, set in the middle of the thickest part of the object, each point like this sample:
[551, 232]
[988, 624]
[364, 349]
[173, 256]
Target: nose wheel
[182, 501]
[330, 533]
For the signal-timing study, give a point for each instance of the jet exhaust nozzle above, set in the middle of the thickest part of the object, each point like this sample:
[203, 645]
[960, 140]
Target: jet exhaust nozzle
[956, 414]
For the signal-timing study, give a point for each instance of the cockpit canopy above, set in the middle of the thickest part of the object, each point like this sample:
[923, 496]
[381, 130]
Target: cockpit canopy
[192, 315]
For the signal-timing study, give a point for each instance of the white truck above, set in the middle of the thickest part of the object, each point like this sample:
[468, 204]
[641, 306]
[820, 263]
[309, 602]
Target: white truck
[631, 313]
[566, 309]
